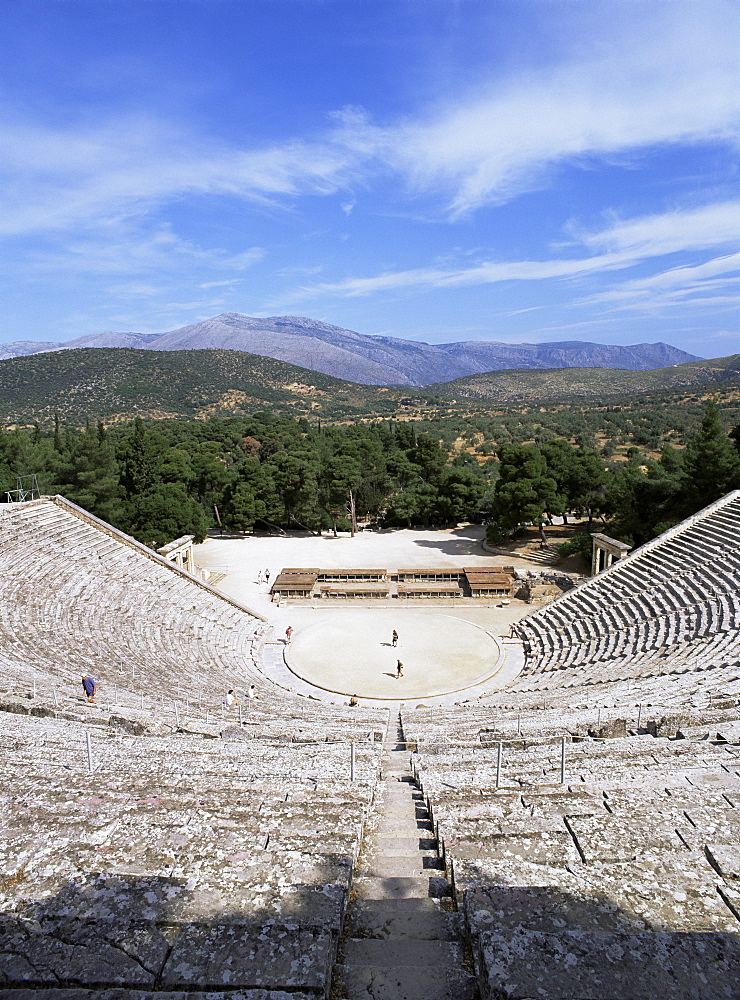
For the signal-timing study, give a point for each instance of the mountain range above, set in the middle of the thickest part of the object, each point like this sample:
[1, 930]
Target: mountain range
[117, 384]
[368, 360]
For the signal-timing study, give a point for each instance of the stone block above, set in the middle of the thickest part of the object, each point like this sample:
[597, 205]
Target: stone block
[114, 994]
[42, 712]
[725, 858]
[668, 892]
[623, 966]
[403, 918]
[549, 848]
[613, 839]
[46, 953]
[274, 956]
[393, 954]
[407, 982]
[667, 726]
[546, 908]
[610, 730]
[124, 725]
[14, 707]
[370, 887]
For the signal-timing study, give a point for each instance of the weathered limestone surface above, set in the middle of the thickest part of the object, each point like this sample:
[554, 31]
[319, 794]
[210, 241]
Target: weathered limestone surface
[274, 956]
[178, 863]
[401, 940]
[570, 889]
[208, 856]
[608, 966]
[672, 606]
[116, 994]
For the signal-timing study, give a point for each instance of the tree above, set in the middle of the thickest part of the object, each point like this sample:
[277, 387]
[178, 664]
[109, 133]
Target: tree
[164, 513]
[251, 497]
[295, 475]
[460, 494]
[643, 499]
[524, 491]
[711, 463]
[340, 481]
[86, 472]
[140, 454]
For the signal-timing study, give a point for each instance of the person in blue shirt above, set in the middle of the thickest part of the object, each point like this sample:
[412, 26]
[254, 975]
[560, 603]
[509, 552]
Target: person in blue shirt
[89, 687]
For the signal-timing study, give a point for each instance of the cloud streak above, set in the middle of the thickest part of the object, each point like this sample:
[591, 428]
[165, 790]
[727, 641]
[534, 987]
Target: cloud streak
[626, 244]
[478, 149]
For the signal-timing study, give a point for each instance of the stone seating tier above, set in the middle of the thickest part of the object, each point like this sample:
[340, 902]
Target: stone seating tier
[636, 854]
[79, 597]
[680, 586]
[178, 863]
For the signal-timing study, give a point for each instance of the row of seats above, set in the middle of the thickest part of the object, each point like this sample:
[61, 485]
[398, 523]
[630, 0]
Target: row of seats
[177, 861]
[680, 591]
[157, 839]
[620, 880]
[77, 597]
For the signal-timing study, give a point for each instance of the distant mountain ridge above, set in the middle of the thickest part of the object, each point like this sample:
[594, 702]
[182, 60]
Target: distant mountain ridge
[115, 384]
[369, 360]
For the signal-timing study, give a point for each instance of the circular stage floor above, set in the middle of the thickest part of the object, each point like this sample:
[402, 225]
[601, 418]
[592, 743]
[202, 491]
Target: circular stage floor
[352, 653]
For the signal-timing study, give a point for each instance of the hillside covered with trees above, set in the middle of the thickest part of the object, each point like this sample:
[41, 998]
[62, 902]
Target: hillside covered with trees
[159, 480]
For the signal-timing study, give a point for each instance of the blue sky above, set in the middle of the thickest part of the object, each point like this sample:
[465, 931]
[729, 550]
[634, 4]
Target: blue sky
[517, 170]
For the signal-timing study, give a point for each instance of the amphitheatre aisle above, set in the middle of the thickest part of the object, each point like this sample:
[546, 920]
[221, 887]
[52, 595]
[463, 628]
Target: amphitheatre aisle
[449, 649]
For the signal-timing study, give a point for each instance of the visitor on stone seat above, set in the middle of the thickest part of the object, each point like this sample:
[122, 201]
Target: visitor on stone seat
[89, 687]
[353, 702]
[252, 693]
[231, 700]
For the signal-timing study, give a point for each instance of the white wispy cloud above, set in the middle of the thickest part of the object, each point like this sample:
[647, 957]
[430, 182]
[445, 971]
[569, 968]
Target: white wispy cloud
[625, 243]
[123, 249]
[696, 228]
[54, 178]
[670, 77]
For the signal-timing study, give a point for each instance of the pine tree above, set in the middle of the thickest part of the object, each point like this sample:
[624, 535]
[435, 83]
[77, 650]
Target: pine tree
[711, 463]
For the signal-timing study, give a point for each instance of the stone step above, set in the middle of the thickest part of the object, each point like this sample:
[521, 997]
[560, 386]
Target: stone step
[408, 815]
[404, 982]
[403, 918]
[391, 953]
[397, 796]
[401, 887]
[411, 865]
[393, 847]
[405, 807]
[404, 788]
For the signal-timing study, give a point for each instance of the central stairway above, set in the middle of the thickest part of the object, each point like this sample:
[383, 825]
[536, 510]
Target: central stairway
[402, 939]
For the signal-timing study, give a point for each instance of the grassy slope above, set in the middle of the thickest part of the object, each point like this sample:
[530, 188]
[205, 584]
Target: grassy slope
[571, 383]
[119, 383]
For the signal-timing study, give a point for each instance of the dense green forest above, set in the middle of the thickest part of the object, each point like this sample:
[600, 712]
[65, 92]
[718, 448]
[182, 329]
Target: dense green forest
[159, 480]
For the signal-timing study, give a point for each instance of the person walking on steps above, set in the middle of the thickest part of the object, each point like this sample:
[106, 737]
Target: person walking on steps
[89, 687]
[399, 669]
[394, 638]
